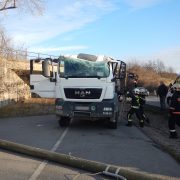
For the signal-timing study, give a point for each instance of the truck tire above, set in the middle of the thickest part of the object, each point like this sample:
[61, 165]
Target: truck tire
[111, 124]
[64, 121]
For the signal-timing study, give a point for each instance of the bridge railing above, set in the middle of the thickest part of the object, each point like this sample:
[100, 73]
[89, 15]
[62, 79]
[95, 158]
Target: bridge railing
[11, 54]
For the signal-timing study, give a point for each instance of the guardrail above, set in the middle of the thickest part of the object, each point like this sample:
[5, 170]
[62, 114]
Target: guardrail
[11, 54]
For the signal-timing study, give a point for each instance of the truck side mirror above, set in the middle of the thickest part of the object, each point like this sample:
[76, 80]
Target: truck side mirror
[45, 69]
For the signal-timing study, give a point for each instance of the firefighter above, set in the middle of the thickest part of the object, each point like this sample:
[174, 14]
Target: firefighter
[174, 111]
[135, 107]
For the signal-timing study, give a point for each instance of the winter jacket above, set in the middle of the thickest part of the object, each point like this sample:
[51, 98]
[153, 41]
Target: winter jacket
[162, 90]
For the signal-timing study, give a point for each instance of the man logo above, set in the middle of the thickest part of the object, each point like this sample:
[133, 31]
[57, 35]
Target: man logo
[82, 93]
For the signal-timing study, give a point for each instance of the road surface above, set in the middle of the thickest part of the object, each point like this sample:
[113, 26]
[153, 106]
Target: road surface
[154, 101]
[126, 146]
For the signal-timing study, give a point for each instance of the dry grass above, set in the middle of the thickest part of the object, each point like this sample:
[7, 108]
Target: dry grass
[30, 107]
[150, 78]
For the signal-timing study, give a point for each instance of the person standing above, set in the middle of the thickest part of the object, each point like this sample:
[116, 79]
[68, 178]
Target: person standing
[174, 111]
[135, 108]
[161, 92]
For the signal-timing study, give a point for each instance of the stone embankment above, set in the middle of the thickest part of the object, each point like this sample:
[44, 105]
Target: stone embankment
[14, 81]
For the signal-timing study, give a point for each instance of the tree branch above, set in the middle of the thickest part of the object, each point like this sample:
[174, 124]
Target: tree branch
[5, 7]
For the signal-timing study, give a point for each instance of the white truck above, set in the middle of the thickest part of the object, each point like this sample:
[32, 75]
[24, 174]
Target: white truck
[84, 86]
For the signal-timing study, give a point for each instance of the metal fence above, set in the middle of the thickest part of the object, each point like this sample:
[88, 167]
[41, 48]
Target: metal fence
[11, 54]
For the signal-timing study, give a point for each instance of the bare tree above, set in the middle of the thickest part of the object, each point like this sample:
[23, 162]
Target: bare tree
[160, 66]
[150, 65]
[6, 47]
[170, 70]
[32, 6]
[7, 4]
[5, 42]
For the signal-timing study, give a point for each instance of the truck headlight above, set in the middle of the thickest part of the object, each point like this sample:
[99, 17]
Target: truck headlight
[59, 107]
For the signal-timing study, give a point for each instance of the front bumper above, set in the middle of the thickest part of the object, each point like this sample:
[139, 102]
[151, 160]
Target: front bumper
[102, 109]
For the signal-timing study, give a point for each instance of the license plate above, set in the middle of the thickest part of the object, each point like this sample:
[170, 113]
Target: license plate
[82, 108]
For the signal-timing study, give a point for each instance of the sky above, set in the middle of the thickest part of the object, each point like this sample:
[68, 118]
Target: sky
[129, 30]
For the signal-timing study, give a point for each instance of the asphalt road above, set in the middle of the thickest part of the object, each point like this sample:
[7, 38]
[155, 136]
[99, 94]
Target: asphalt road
[126, 146]
[18, 167]
[154, 101]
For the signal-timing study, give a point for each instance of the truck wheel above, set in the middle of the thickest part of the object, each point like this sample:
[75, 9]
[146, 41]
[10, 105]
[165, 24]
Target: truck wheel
[64, 121]
[113, 124]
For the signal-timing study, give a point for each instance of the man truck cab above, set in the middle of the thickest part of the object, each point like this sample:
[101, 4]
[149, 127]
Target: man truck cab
[84, 86]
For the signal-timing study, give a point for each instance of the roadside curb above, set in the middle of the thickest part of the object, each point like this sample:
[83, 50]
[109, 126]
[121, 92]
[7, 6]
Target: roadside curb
[75, 162]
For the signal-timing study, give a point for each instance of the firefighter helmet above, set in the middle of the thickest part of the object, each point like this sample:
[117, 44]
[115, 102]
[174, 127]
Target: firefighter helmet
[136, 91]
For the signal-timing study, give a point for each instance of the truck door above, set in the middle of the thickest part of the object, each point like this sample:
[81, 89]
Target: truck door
[42, 78]
[121, 77]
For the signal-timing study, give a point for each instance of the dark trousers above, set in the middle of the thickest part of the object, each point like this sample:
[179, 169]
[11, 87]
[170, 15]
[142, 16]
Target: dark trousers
[162, 102]
[173, 120]
[136, 111]
[141, 110]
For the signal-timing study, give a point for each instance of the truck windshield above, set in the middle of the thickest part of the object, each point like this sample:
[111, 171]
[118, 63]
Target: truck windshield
[78, 68]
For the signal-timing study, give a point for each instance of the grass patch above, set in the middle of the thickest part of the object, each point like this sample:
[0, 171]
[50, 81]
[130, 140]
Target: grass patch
[30, 107]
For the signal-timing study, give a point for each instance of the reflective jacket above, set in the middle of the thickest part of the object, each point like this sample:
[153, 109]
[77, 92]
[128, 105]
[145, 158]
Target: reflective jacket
[135, 102]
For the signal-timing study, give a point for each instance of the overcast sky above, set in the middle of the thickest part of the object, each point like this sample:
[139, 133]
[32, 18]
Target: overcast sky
[124, 29]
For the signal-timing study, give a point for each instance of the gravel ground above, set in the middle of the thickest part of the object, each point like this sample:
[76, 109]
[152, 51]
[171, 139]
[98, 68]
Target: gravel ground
[158, 130]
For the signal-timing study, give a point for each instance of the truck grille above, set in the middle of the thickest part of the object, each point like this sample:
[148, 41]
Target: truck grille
[87, 93]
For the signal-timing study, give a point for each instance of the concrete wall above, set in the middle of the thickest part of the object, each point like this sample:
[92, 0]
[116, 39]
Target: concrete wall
[12, 87]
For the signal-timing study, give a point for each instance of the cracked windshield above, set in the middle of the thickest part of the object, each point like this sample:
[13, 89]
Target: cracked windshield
[78, 68]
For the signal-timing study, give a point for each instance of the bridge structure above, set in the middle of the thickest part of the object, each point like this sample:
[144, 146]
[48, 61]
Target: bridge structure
[14, 74]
